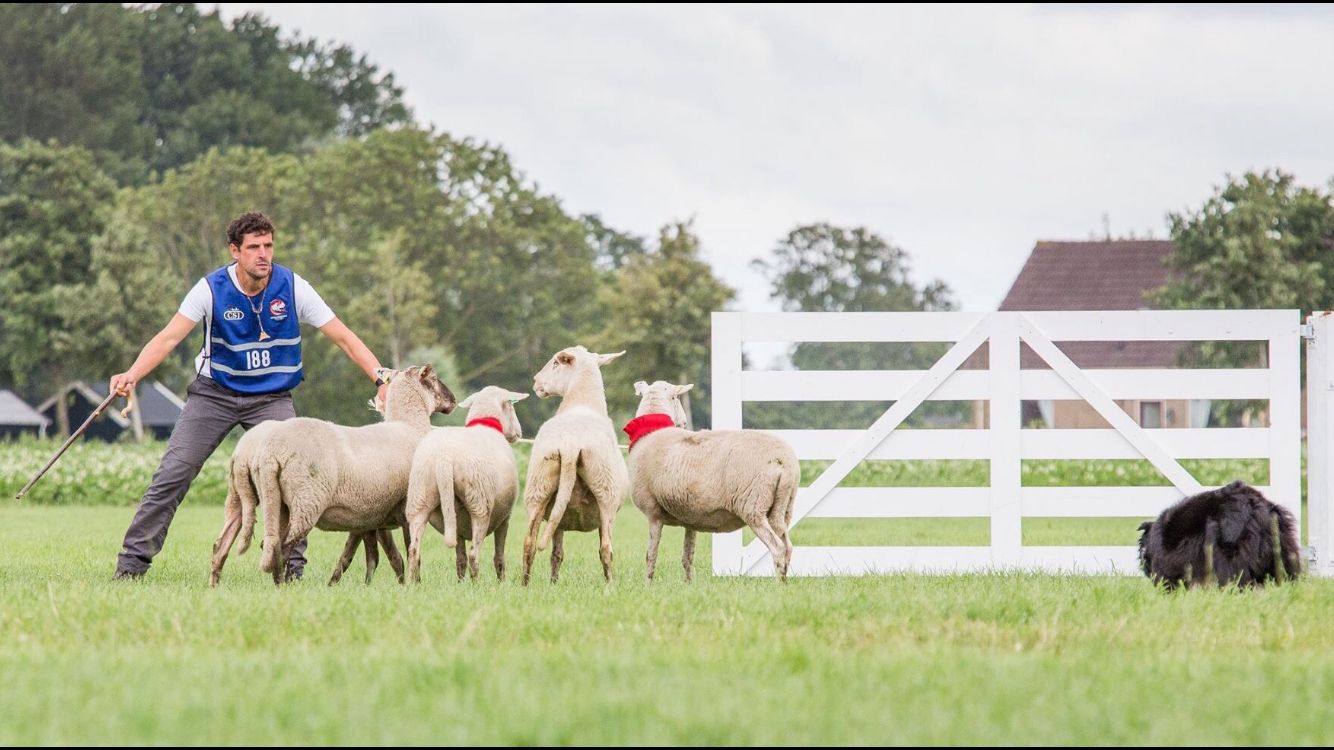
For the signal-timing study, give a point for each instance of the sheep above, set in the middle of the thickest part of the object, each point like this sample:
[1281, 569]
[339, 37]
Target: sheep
[242, 496]
[469, 470]
[576, 474]
[315, 474]
[1219, 536]
[715, 481]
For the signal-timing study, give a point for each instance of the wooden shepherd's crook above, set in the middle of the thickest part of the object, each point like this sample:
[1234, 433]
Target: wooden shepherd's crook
[97, 413]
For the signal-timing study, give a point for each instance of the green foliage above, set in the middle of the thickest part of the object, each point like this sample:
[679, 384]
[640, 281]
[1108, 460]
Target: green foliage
[53, 202]
[73, 74]
[874, 660]
[662, 303]
[92, 472]
[152, 88]
[1260, 241]
[824, 268]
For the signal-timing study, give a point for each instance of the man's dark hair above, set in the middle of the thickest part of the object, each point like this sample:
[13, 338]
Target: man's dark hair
[250, 222]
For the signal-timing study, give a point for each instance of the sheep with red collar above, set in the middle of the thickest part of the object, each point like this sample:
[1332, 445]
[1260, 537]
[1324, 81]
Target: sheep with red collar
[712, 480]
[464, 481]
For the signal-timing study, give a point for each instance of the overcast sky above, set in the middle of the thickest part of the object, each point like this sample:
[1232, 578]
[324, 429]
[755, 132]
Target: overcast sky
[962, 134]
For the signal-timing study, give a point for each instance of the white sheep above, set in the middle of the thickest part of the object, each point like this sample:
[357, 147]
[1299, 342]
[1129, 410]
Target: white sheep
[243, 497]
[576, 474]
[315, 474]
[713, 480]
[469, 471]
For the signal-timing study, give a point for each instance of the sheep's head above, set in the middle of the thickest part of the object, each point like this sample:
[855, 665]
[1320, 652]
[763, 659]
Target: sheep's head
[556, 378]
[497, 403]
[662, 398]
[421, 378]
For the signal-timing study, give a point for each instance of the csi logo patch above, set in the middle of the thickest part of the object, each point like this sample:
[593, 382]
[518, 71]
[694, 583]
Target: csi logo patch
[278, 309]
[233, 313]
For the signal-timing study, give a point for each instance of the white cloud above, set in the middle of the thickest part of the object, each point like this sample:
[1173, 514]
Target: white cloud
[962, 134]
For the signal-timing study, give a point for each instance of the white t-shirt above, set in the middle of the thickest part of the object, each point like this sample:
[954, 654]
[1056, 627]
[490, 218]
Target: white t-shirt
[310, 308]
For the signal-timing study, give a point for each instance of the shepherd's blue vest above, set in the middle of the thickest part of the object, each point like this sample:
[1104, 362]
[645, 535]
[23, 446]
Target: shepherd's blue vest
[237, 358]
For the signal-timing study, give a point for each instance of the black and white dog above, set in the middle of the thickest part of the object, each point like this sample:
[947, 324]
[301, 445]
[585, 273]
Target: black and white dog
[1220, 536]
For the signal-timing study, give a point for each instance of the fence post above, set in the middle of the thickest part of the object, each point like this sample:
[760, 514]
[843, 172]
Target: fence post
[1319, 447]
[726, 385]
[1006, 505]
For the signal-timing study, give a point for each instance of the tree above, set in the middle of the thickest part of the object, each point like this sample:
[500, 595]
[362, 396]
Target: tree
[824, 268]
[151, 88]
[53, 202]
[73, 73]
[1259, 241]
[511, 275]
[662, 302]
[612, 248]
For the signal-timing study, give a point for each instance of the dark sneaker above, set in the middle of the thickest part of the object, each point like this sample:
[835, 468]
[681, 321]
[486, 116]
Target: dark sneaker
[125, 575]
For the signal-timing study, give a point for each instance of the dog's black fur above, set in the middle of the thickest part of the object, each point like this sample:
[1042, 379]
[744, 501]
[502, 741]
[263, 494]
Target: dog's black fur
[1237, 522]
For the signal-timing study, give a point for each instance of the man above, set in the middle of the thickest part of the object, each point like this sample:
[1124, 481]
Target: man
[248, 365]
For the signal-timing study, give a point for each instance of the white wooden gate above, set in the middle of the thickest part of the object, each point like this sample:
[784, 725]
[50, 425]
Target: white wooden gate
[1004, 443]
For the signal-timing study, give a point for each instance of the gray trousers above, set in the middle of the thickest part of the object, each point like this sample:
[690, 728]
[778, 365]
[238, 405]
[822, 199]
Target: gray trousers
[210, 412]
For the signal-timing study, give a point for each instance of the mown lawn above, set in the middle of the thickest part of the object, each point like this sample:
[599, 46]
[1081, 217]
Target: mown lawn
[975, 659]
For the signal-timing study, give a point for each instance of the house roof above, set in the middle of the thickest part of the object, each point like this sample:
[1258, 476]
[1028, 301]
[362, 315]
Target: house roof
[14, 411]
[158, 405]
[1095, 275]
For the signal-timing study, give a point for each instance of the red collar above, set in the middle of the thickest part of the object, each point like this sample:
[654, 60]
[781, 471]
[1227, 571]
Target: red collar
[641, 426]
[491, 422]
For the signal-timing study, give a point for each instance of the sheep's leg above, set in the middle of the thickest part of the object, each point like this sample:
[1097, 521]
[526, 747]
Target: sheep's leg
[461, 558]
[423, 500]
[480, 522]
[530, 546]
[557, 553]
[280, 549]
[417, 525]
[386, 537]
[760, 525]
[778, 520]
[231, 527]
[542, 478]
[499, 540]
[372, 555]
[688, 555]
[604, 537]
[344, 560]
[651, 557]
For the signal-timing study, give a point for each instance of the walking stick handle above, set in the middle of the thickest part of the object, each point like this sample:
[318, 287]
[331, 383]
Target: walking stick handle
[73, 436]
[129, 406]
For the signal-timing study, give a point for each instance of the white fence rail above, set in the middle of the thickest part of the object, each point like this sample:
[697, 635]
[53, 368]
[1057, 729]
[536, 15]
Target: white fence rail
[1004, 385]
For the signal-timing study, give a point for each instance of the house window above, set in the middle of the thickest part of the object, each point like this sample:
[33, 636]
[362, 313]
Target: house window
[1150, 414]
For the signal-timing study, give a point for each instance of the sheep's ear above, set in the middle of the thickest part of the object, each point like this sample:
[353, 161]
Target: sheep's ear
[384, 373]
[604, 359]
[467, 402]
[565, 358]
[681, 390]
[515, 397]
[640, 387]
[427, 372]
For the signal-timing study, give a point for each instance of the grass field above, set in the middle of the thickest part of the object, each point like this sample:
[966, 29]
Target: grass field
[974, 659]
